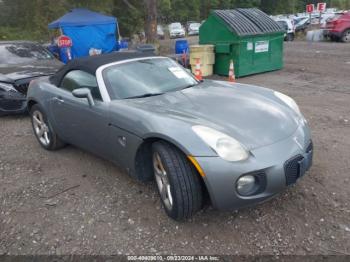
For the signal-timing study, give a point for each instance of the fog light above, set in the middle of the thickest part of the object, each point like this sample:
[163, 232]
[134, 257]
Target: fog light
[247, 185]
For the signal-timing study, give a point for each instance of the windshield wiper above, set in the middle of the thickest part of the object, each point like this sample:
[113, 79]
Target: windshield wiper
[145, 95]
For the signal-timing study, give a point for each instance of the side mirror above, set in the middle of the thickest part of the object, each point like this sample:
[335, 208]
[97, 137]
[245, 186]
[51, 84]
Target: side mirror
[84, 93]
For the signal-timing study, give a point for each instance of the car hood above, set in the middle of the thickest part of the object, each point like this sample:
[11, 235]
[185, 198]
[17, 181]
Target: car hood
[28, 70]
[250, 114]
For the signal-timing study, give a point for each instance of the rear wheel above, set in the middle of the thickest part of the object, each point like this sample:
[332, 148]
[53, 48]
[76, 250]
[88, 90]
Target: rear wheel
[43, 130]
[346, 36]
[177, 180]
[290, 37]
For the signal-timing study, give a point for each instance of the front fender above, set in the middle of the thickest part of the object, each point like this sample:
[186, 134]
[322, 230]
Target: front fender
[185, 139]
[147, 124]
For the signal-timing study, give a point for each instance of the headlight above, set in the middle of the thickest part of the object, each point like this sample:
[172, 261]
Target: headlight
[289, 101]
[225, 146]
[7, 87]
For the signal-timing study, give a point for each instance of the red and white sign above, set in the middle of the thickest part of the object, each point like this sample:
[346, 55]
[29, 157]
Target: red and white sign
[321, 7]
[64, 41]
[310, 8]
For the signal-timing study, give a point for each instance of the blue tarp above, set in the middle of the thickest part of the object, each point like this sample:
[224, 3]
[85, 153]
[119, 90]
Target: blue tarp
[87, 30]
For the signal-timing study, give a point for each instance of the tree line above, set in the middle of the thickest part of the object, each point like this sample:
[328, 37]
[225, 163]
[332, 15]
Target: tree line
[28, 19]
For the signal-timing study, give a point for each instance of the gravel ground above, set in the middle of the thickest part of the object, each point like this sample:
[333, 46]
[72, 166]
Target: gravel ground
[71, 202]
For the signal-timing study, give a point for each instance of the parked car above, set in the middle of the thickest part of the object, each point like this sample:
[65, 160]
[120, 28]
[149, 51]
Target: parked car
[326, 17]
[301, 24]
[288, 26]
[151, 117]
[160, 32]
[21, 62]
[193, 29]
[338, 28]
[176, 30]
[190, 22]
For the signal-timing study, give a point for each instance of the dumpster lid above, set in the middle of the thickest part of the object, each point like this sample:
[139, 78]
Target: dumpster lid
[248, 21]
[261, 19]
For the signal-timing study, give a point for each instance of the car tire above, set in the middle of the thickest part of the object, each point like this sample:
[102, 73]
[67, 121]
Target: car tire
[290, 37]
[178, 182]
[346, 36]
[43, 130]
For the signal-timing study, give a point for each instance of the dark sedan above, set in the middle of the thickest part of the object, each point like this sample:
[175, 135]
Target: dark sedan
[21, 62]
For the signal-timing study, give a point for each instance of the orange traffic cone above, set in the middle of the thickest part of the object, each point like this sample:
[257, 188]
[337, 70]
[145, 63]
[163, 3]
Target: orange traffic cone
[231, 72]
[198, 71]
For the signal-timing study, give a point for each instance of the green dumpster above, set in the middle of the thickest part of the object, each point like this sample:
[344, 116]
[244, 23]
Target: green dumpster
[248, 36]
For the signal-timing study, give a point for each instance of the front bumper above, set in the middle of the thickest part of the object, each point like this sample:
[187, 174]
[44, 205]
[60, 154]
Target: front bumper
[12, 103]
[175, 35]
[331, 33]
[281, 164]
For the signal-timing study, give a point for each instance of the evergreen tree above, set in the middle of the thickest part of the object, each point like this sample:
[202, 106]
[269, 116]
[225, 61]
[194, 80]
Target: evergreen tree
[28, 19]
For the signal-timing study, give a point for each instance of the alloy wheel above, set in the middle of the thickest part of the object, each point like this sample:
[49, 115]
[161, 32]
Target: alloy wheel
[162, 180]
[40, 127]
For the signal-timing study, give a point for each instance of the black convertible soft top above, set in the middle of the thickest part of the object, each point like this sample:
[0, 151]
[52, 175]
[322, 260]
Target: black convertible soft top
[91, 63]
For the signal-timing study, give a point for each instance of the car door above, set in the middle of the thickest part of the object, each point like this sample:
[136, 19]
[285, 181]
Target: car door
[76, 121]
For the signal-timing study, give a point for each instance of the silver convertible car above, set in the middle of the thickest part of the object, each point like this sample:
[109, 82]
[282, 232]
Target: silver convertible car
[238, 144]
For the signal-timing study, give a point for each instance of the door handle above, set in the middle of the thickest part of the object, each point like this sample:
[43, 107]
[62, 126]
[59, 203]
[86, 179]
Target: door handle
[59, 99]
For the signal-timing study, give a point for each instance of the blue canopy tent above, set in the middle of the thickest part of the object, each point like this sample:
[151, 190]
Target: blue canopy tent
[87, 30]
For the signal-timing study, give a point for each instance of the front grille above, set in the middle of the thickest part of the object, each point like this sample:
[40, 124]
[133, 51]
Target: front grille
[10, 105]
[292, 170]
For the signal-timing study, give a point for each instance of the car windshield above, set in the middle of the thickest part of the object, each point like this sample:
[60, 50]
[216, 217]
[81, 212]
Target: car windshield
[16, 53]
[283, 25]
[146, 77]
[335, 17]
[195, 26]
[297, 20]
[300, 20]
[175, 26]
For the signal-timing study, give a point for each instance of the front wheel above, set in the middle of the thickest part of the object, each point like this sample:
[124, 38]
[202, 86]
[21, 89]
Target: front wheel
[346, 36]
[177, 180]
[43, 131]
[290, 37]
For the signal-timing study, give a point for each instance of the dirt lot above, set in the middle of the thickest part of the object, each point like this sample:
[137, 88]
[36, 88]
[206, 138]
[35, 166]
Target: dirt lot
[70, 202]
